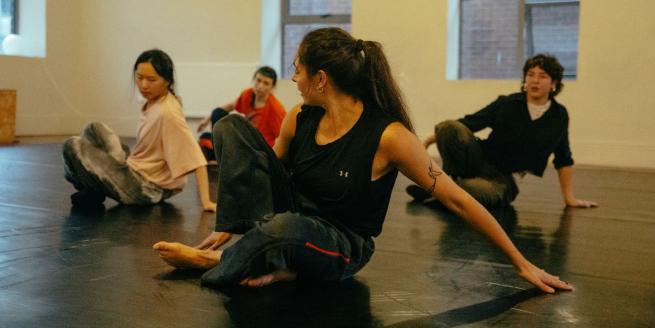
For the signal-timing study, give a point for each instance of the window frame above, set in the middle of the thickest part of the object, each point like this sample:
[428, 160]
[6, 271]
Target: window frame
[14, 17]
[525, 37]
[528, 39]
[287, 19]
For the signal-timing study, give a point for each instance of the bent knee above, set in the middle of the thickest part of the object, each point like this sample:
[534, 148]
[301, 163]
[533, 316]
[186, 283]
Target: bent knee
[94, 128]
[229, 123]
[70, 147]
[452, 130]
[287, 225]
[489, 193]
[100, 135]
[449, 125]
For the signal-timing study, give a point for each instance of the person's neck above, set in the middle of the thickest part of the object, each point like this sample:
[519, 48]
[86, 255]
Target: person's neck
[155, 100]
[341, 113]
[260, 100]
[538, 101]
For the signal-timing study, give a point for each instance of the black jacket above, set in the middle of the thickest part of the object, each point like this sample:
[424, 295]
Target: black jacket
[517, 143]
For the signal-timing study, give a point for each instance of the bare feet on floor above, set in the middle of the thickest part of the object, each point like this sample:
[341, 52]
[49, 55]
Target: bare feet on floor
[267, 279]
[186, 257]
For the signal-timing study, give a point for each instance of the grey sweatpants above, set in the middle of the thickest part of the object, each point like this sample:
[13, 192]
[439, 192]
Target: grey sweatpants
[95, 162]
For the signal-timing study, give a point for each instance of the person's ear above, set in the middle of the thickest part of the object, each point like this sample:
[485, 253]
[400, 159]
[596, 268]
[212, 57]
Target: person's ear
[321, 80]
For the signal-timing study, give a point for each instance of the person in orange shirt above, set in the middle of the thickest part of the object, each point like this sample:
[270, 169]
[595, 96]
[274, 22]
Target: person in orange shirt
[257, 104]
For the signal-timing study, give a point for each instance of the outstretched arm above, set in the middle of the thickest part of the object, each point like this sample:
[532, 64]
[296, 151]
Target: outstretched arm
[203, 124]
[404, 151]
[429, 140]
[208, 119]
[565, 175]
[203, 189]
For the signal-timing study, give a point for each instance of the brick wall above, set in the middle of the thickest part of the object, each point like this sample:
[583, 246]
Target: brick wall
[293, 33]
[555, 31]
[489, 36]
[319, 7]
[491, 32]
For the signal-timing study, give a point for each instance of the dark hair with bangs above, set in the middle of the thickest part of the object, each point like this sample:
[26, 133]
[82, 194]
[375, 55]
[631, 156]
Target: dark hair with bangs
[162, 63]
[551, 66]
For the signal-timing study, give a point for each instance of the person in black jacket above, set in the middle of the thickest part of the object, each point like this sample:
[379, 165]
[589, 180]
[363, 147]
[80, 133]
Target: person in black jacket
[527, 127]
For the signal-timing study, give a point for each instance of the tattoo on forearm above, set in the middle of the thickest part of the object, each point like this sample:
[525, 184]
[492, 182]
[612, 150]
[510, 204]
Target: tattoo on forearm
[433, 174]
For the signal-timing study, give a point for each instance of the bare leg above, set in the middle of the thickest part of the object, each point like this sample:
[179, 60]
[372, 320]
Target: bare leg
[267, 279]
[183, 256]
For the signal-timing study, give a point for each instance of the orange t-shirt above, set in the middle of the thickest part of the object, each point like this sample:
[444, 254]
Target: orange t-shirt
[266, 119]
[165, 149]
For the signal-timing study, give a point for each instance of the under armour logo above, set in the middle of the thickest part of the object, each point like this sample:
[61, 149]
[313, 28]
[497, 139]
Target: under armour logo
[343, 173]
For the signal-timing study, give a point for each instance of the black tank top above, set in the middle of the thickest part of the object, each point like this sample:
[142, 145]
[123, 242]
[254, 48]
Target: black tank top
[334, 180]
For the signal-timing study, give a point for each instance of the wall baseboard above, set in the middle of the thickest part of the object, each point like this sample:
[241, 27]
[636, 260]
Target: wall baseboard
[614, 153]
[585, 152]
[71, 125]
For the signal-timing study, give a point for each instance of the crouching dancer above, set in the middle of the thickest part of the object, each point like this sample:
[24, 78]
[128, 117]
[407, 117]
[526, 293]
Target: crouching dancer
[311, 206]
[99, 166]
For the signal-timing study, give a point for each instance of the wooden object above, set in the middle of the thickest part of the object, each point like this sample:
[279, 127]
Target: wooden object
[7, 116]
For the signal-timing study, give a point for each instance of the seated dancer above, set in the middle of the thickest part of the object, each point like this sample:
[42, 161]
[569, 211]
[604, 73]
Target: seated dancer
[311, 206]
[257, 104]
[99, 166]
[527, 127]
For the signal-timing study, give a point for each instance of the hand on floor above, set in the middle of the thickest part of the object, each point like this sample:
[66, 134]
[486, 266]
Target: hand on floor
[215, 240]
[209, 207]
[580, 203]
[542, 279]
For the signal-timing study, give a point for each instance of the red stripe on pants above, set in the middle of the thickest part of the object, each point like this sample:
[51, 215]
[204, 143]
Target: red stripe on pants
[326, 252]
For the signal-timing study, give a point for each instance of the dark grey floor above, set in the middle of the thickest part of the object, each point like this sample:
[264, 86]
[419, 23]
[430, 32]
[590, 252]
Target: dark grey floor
[62, 267]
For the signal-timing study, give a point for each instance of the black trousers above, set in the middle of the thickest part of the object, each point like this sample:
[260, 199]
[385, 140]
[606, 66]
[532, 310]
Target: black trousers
[464, 160]
[256, 197]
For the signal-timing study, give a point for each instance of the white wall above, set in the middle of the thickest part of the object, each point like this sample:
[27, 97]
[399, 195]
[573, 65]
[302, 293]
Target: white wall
[47, 88]
[195, 33]
[92, 45]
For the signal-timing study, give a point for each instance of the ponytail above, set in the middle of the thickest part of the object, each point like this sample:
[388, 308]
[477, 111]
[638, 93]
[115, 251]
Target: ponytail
[383, 91]
[358, 68]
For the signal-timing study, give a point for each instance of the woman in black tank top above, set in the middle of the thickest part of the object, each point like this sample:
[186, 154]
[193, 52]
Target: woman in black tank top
[311, 206]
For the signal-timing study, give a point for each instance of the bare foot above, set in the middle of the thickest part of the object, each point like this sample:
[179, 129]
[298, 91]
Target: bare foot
[185, 257]
[267, 279]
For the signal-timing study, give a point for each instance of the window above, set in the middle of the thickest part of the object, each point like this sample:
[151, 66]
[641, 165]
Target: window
[301, 16]
[8, 18]
[491, 39]
[23, 28]
[552, 27]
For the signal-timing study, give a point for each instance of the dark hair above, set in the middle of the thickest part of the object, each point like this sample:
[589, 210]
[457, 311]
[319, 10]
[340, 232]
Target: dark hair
[551, 66]
[268, 72]
[357, 68]
[161, 62]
